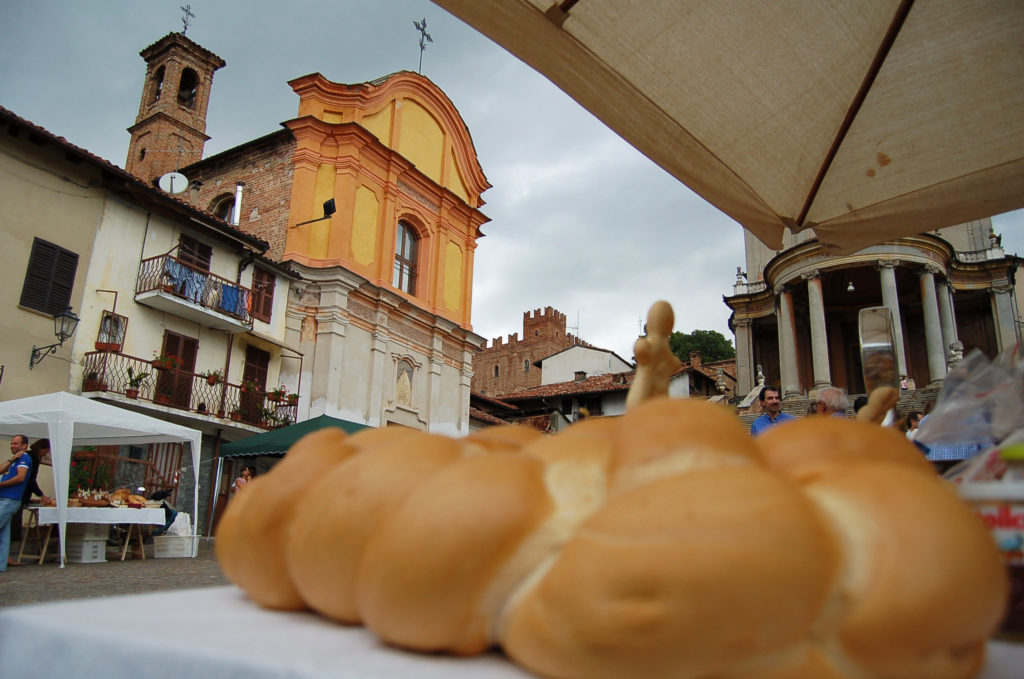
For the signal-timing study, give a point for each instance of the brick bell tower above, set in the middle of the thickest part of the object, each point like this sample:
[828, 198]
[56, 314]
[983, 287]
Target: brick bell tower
[170, 130]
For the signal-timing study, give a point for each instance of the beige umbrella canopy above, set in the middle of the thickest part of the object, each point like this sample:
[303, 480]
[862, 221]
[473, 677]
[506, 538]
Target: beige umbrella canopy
[862, 119]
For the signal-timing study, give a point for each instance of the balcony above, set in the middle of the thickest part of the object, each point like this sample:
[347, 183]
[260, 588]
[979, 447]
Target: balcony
[112, 372]
[171, 285]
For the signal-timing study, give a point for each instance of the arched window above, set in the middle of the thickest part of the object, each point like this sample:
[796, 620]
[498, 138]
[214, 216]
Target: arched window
[526, 365]
[406, 246]
[222, 206]
[495, 371]
[158, 84]
[187, 88]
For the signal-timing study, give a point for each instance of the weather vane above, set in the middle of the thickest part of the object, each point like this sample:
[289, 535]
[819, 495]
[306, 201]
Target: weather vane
[187, 9]
[421, 26]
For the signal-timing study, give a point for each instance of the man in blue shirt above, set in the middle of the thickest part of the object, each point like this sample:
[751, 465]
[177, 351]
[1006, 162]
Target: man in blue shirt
[12, 486]
[771, 404]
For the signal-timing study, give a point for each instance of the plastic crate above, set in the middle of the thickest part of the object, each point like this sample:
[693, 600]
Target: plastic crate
[172, 546]
[88, 531]
[86, 551]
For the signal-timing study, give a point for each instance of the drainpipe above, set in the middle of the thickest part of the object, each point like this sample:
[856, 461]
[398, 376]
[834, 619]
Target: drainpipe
[236, 211]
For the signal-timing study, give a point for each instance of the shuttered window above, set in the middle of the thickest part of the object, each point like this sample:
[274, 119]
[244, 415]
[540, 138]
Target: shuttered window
[262, 294]
[50, 278]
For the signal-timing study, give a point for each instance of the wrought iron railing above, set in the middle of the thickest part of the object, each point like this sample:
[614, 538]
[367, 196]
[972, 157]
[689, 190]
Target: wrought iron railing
[196, 285]
[176, 388]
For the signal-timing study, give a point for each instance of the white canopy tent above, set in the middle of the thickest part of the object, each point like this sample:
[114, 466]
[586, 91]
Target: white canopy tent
[69, 420]
[865, 120]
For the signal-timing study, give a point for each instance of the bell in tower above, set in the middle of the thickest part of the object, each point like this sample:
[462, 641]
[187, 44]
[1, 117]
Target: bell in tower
[170, 129]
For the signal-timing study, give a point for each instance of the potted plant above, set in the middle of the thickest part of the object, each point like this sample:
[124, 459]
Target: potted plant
[93, 382]
[293, 399]
[275, 395]
[164, 362]
[250, 387]
[236, 415]
[135, 380]
[213, 377]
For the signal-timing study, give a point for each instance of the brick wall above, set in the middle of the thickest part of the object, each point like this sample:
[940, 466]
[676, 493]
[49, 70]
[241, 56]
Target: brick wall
[265, 167]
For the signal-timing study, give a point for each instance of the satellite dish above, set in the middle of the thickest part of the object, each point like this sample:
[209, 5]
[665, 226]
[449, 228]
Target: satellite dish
[173, 182]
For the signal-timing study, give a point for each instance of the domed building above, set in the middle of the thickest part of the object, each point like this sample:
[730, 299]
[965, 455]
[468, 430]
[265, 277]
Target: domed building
[795, 310]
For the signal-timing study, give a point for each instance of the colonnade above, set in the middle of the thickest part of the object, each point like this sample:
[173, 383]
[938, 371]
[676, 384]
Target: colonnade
[937, 309]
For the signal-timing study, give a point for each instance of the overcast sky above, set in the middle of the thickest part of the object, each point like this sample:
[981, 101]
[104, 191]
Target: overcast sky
[579, 220]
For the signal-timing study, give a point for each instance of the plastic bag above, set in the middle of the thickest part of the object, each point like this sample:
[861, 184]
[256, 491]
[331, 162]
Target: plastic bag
[982, 402]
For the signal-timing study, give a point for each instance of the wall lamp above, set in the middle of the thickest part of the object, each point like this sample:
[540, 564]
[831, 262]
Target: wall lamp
[64, 325]
[329, 210]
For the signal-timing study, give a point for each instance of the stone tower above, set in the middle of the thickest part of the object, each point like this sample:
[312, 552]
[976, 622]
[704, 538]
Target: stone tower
[170, 129]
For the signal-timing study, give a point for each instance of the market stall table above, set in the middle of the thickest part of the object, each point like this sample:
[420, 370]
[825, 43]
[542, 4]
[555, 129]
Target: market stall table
[132, 517]
[218, 632]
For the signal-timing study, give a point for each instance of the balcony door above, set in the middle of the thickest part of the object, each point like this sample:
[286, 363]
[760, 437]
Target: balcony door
[257, 363]
[177, 383]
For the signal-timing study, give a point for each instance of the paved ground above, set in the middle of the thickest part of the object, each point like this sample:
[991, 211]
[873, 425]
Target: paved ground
[32, 583]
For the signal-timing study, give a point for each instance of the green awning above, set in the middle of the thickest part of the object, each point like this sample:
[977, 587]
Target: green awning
[278, 441]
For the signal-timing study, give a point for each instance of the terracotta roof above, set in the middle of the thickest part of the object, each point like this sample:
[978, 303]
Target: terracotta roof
[477, 414]
[492, 400]
[137, 185]
[597, 384]
[188, 42]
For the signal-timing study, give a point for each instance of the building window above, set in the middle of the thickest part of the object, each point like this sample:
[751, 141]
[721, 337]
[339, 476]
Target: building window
[495, 371]
[158, 85]
[194, 253]
[262, 294]
[223, 207]
[187, 88]
[112, 328]
[526, 366]
[406, 245]
[49, 279]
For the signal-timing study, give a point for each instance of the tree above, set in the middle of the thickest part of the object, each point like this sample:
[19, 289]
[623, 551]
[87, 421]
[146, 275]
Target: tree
[712, 345]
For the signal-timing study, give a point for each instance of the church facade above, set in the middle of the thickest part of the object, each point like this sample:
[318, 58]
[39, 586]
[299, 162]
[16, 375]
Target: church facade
[795, 311]
[372, 194]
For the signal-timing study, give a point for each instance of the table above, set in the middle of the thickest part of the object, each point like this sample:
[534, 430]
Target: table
[218, 632]
[133, 518]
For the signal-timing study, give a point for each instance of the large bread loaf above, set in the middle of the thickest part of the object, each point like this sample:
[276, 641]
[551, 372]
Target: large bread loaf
[663, 543]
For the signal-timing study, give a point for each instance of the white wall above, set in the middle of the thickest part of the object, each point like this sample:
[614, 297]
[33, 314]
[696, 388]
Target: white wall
[562, 366]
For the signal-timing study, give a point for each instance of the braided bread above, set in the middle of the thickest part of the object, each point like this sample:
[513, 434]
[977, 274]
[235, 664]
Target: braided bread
[663, 543]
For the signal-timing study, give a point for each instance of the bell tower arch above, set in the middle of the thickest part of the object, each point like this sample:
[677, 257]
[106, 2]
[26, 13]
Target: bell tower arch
[170, 129]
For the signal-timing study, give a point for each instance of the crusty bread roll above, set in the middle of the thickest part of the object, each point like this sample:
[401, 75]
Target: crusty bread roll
[663, 543]
[251, 535]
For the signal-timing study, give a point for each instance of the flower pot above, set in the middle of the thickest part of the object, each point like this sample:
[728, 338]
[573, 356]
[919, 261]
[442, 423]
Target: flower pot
[236, 417]
[293, 400]
[162, 399]
[94, 385]
[273, 398]
[131, 393]
[212, 381]
[220, 413]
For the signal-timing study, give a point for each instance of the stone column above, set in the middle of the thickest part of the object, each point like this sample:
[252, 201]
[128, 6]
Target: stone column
[932, 327]
[744, 355]
[787, 345]
[950, 338]
[819, 338]
[1002, 314]
[890, 299]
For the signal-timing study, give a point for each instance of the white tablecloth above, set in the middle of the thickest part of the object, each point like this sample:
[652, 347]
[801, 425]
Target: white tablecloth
[105, 515]
[217, 632]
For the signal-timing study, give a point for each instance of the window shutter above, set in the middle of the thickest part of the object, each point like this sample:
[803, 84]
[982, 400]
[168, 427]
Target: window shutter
[262, 294]
[50, 278]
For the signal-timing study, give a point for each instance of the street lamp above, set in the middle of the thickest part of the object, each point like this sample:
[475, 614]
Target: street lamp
[64, 325]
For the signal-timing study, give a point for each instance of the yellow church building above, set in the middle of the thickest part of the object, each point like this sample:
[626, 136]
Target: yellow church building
[372, 194]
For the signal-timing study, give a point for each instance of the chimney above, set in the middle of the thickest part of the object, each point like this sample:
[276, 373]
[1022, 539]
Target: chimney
[581, 375]
[695, 359]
